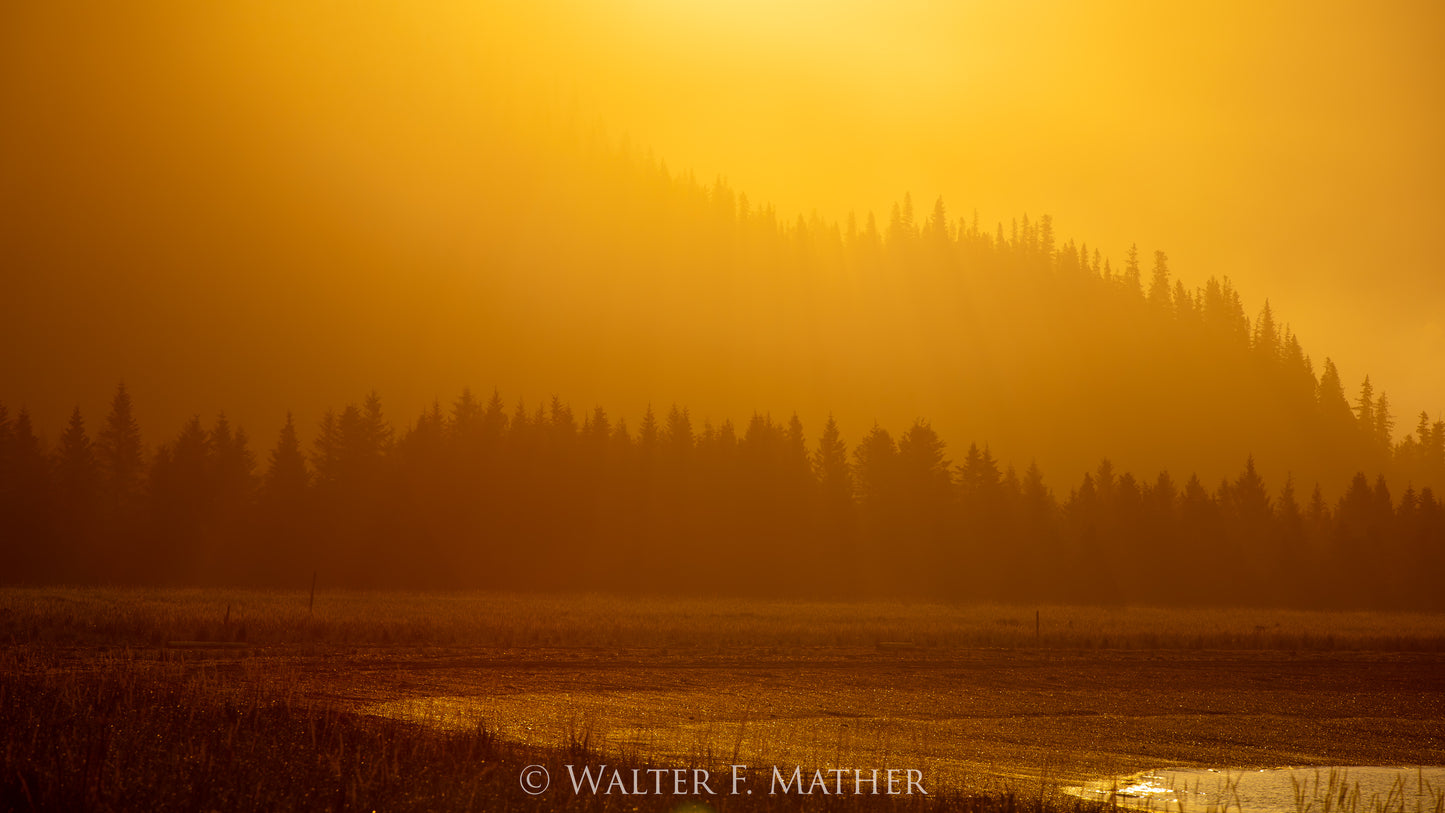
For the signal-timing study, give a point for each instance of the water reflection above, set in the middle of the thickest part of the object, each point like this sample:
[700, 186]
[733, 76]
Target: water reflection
[1353, 789]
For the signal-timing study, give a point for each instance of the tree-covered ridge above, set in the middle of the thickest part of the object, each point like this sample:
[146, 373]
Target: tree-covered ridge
[536, 497]
[1044, 345]
[582, 262]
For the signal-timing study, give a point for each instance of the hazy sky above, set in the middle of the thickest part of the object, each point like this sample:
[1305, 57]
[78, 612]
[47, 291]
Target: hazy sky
[1293, 147]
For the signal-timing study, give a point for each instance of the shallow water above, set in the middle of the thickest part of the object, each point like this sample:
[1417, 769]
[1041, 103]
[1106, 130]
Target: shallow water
[1353, 789]
[962, 730]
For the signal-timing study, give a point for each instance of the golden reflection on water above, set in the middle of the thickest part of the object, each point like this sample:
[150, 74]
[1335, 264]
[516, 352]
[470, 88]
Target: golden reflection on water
[702, 728]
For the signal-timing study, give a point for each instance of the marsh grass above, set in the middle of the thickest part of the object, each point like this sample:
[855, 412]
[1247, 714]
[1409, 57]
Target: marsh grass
[132, 734]
[100, 710]
[153, 617]
[1322, 790]
[1332, 792]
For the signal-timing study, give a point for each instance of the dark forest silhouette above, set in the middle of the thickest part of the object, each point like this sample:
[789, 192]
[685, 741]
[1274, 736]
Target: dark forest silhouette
[478, 495]
[1042, 347]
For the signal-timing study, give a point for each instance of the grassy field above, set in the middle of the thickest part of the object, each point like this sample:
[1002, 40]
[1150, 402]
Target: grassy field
[142, 617]
[134, 735]
[235, 700]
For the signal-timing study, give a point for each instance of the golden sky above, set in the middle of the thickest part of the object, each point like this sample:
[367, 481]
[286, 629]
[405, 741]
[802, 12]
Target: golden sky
[1294, 147]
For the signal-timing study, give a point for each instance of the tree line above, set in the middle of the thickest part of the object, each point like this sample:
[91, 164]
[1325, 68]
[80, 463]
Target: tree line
[479, 495]
[986, 328]
[594, 264]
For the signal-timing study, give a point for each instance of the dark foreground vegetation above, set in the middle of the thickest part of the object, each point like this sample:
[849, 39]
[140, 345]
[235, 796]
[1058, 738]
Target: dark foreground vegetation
[239, 700]
[482, 496]
[105, 732]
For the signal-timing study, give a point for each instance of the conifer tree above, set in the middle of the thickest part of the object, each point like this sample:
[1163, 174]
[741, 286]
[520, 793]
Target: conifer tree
[1133, 282]
[76, 470]
[1365, 408]
[1159, 290]
[830, 466]
[1331, 398]
[1266, 340]
[77, 496]
[1383, 432]
[119, 454]
[287, 477]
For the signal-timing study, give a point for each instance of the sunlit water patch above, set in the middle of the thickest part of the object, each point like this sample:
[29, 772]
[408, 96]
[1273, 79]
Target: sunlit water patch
[1357, 789]
[673, 725]
[702, 727]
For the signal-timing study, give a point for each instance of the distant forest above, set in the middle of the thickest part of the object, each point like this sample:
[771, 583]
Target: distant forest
[1041, 344]
[476, 495]
[589, 264]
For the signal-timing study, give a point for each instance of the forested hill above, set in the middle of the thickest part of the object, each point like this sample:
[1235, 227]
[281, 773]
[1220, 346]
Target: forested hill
[1008, 334]
[567, 260]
